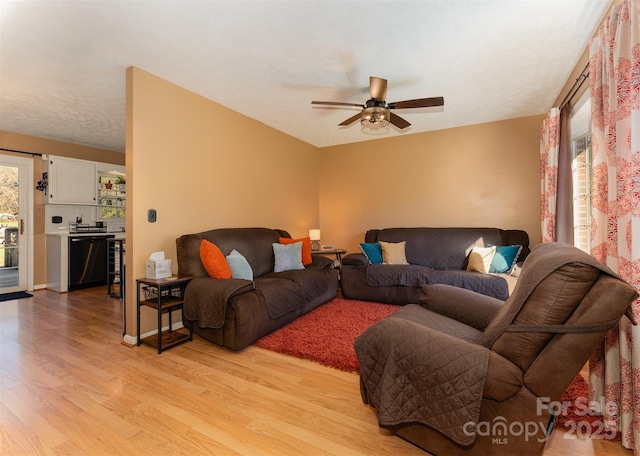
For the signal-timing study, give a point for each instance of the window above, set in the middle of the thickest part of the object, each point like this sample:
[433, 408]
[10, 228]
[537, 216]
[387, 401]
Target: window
[581, 169]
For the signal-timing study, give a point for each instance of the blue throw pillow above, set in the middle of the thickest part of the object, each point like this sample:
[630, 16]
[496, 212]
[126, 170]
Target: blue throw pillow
[373, 252]
[505, 258]
[288, 256]
[240, 267]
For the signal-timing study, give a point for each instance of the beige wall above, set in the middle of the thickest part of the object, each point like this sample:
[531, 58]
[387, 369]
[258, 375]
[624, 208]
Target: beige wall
[479, 175]
[203, 166]
[25, 143]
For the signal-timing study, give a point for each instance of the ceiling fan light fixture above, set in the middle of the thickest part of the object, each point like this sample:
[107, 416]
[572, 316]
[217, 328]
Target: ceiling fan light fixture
[375, 120]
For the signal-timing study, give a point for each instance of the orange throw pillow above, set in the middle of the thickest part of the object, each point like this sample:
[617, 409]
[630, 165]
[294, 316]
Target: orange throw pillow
[214, 261]
[306, 248]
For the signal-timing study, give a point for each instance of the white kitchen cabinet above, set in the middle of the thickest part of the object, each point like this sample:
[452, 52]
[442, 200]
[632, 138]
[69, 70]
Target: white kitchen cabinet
[71, 181]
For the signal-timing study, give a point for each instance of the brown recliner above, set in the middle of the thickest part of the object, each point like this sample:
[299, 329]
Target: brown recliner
[463, 373]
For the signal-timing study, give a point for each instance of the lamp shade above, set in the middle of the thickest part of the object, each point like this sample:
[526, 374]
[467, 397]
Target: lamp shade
[314, 234]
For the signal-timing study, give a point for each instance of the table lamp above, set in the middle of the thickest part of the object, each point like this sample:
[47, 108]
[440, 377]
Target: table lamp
[314, 235]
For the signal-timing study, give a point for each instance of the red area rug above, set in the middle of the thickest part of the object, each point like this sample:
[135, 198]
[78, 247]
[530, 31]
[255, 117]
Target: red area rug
[326, 334]
[575, 416]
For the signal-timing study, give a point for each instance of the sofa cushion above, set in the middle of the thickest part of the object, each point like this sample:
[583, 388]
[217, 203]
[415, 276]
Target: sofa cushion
[551, 302]
[240, 267]
[410, 275]
[306, 248]
[254, 243]
[288, 257]
[393, 252]
[466, 306]
[289, 290]
[214, 261]
[438, 248]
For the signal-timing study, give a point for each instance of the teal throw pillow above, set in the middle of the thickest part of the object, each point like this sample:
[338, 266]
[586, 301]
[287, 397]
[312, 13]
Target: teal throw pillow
[288, 256]
[372, 251]
[505, 258]
[240, 267]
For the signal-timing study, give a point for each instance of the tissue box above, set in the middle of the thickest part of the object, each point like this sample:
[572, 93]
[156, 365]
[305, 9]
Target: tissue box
[158, 269]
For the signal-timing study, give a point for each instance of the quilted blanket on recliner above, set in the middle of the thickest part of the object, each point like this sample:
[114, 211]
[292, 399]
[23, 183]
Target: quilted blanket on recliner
[411, 376]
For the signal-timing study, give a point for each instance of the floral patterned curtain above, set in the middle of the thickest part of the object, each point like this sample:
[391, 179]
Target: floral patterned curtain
[549, 150]
[614, 67]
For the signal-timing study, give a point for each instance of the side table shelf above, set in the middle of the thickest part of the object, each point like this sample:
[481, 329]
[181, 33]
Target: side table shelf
[165, 296]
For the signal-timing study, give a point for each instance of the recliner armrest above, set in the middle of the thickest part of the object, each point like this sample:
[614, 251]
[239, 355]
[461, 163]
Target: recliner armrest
[355, 259]
[320, 262]
[466, 306]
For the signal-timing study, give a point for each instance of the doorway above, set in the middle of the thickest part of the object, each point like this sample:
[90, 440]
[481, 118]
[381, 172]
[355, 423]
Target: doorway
[16, 224]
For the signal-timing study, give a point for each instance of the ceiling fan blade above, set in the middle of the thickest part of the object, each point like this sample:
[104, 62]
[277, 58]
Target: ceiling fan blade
[350, 120]
[377, 88]
[337, 103]
[418, 103]
[398, 121]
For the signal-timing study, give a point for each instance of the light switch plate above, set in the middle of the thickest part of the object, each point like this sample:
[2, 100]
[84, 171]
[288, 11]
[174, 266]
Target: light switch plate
[151, 215]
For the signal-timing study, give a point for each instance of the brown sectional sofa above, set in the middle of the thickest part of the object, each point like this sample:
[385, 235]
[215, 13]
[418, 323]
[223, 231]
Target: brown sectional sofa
[236, 312]
[435, 255]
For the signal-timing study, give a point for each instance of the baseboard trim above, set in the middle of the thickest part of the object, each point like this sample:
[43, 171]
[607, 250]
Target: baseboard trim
[133, 340]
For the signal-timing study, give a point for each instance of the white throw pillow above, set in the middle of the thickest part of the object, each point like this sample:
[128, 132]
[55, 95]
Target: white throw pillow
[240, 267]
[394, 252]
[288, 257]
[480, 259]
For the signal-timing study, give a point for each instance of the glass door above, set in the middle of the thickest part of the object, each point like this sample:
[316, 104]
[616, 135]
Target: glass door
[14, 243]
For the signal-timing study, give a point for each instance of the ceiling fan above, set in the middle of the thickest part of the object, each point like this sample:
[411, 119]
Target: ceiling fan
[376, 114]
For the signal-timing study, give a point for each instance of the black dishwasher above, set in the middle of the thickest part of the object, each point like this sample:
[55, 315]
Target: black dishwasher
[87, 261]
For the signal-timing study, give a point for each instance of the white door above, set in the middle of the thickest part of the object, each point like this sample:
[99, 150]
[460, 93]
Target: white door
[16, 223]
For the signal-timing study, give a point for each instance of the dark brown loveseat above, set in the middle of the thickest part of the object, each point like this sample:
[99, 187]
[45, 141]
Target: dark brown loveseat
[435, 255]
[236, 312]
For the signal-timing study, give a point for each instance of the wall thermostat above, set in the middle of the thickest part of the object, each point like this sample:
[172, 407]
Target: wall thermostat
[151, 215]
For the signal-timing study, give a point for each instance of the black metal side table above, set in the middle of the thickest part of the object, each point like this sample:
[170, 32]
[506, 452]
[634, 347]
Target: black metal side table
[337, 252]
[164, 295]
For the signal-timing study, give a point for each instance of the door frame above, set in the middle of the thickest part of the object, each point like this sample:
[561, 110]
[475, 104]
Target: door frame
[26, 209]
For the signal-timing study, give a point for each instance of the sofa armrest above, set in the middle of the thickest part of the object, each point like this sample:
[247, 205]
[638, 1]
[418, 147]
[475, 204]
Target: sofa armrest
[504, 379]
[320, 262]
[466, 306]
[205, 299]
[355, 259]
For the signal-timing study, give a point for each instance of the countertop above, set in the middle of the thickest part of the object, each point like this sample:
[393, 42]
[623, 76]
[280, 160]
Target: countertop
[65, 233]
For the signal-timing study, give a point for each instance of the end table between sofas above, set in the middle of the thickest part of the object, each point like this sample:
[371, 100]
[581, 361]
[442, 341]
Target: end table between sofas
[164, 295]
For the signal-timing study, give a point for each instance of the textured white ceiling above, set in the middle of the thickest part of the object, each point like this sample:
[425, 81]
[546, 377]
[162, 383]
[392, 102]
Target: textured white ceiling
[62, 63]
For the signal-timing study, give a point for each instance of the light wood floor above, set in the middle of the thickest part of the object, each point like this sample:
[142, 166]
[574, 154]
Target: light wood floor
[69, 386]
